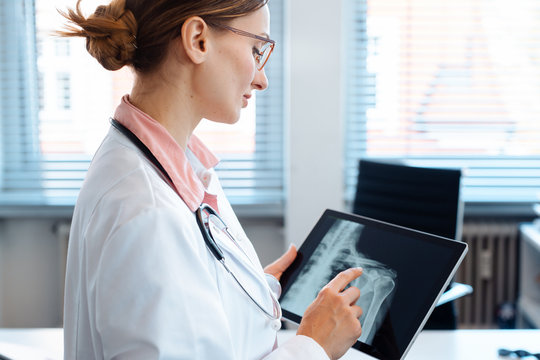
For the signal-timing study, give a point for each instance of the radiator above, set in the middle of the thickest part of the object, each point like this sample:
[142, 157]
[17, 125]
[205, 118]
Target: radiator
[491, 268]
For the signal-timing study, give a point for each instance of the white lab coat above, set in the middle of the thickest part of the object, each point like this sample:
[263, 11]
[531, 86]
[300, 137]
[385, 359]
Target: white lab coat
[141, 283]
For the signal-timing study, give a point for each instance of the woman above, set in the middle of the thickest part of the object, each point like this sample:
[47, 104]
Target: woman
[141, 280]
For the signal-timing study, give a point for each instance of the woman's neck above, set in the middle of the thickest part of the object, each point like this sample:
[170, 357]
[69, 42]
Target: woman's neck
[168, 102]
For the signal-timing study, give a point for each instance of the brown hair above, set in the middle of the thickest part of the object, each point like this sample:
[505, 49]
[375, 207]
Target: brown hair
[137, 32]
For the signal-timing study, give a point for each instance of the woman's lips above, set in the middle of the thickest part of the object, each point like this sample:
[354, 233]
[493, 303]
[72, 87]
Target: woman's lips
[245, 100]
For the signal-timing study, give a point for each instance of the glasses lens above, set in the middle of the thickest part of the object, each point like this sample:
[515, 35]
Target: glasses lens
[266, 50]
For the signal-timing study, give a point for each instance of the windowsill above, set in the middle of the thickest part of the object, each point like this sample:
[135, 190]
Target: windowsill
[246, 211]
[472, 210]
[36, 211]
[522, 211]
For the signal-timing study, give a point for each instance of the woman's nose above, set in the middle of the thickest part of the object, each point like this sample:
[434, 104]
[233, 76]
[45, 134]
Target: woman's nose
[260, 81]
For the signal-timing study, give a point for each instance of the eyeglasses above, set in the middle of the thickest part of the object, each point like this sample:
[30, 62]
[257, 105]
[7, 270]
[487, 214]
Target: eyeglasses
[261, 55]
[517, 353]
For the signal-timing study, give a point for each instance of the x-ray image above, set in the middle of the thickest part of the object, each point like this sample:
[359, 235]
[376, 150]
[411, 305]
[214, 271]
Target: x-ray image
[337, 251]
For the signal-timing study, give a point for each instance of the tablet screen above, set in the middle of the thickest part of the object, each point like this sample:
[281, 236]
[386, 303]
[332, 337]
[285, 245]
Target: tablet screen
[405, 271]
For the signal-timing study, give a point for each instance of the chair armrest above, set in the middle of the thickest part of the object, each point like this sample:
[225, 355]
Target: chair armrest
[456, 291]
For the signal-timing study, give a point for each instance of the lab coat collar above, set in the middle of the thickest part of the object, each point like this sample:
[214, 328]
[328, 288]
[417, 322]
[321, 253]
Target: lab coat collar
[171, 156]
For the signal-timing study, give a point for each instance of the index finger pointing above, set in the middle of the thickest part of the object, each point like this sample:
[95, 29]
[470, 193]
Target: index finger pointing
[344, 278]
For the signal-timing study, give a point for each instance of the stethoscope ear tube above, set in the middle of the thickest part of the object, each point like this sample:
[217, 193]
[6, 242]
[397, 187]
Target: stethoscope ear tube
[140, 145]
[208, 239]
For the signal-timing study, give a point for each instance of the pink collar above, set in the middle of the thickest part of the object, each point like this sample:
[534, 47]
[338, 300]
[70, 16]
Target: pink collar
[171, 156]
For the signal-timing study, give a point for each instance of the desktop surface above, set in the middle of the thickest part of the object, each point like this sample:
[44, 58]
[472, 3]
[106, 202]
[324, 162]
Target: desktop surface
[430, 344]
[458, 344]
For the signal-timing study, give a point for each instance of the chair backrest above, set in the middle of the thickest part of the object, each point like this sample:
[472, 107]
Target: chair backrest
[425, 199]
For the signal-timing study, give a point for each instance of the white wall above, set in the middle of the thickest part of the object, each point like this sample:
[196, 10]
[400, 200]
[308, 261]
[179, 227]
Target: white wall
[315, 125]
[30, 273]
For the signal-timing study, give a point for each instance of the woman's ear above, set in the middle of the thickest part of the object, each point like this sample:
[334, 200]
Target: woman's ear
[195, 39]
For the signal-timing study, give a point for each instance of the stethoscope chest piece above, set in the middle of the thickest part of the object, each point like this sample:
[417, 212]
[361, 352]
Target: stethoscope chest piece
[276, 324]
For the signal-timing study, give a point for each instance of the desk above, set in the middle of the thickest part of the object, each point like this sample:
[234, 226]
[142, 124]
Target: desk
[440, 345]
[35, 344]
[460, 344]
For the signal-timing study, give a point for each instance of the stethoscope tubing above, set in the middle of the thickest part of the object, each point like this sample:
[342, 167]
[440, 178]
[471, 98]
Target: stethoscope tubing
[210, 242]
[208, 239]
[218, 254]
[270, 316]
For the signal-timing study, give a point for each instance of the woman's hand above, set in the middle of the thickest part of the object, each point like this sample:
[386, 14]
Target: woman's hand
[332, 318]
[277, 268]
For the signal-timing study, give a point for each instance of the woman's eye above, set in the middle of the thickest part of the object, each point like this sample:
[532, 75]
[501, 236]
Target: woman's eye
[256, 51]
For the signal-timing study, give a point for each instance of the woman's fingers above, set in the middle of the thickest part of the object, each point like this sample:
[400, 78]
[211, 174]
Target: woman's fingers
[357, 310]
[277, 268]
[351, 295]
[344, 278]
[332, 319]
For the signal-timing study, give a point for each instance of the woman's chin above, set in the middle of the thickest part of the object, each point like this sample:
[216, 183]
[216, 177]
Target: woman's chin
[231, 119]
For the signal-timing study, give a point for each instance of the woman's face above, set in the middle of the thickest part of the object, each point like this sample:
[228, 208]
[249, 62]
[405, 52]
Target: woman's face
[231, 71]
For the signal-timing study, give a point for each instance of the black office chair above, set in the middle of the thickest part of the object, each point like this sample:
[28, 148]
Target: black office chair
[424, 199]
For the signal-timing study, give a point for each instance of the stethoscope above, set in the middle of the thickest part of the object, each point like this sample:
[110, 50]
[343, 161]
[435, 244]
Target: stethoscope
[211, 225]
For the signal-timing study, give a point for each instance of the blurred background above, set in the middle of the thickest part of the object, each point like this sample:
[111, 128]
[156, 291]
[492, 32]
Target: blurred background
[426, 83]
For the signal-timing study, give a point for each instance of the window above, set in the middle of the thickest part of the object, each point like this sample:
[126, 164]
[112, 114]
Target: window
[40, 91]
[64, 91]
[447, 84]
[61, 47]
[71, 97]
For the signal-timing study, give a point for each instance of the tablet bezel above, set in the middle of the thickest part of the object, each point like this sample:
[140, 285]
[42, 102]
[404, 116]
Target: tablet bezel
[459, 250]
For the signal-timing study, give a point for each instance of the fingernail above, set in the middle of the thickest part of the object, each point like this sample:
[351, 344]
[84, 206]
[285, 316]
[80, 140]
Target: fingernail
[360, 268]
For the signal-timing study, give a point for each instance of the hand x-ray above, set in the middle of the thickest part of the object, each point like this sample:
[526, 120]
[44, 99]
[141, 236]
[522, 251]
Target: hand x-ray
[336, 252]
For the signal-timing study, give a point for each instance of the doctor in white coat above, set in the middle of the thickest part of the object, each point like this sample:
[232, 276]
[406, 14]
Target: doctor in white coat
[158, 264]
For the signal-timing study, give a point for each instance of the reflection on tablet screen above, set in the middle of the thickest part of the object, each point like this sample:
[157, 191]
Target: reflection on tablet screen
[336, 252]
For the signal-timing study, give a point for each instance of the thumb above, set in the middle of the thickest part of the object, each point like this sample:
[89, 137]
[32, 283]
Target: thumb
[287, 259]
[277, 268]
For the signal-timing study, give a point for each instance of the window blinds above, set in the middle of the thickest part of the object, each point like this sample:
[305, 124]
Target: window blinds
[19, 102]
[447, 84]
[45, 149]
[256, 178]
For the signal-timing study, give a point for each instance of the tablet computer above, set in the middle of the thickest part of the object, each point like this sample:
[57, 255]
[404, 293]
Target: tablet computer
[405, 273]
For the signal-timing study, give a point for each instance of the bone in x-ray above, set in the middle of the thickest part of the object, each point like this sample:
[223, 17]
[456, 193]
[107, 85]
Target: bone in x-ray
[337, 251]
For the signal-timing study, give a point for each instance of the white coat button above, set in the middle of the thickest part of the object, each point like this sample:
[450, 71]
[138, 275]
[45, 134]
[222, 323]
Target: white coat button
[276, 324]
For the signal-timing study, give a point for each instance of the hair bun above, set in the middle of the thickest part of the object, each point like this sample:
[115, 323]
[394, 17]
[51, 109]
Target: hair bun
[110, 35]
